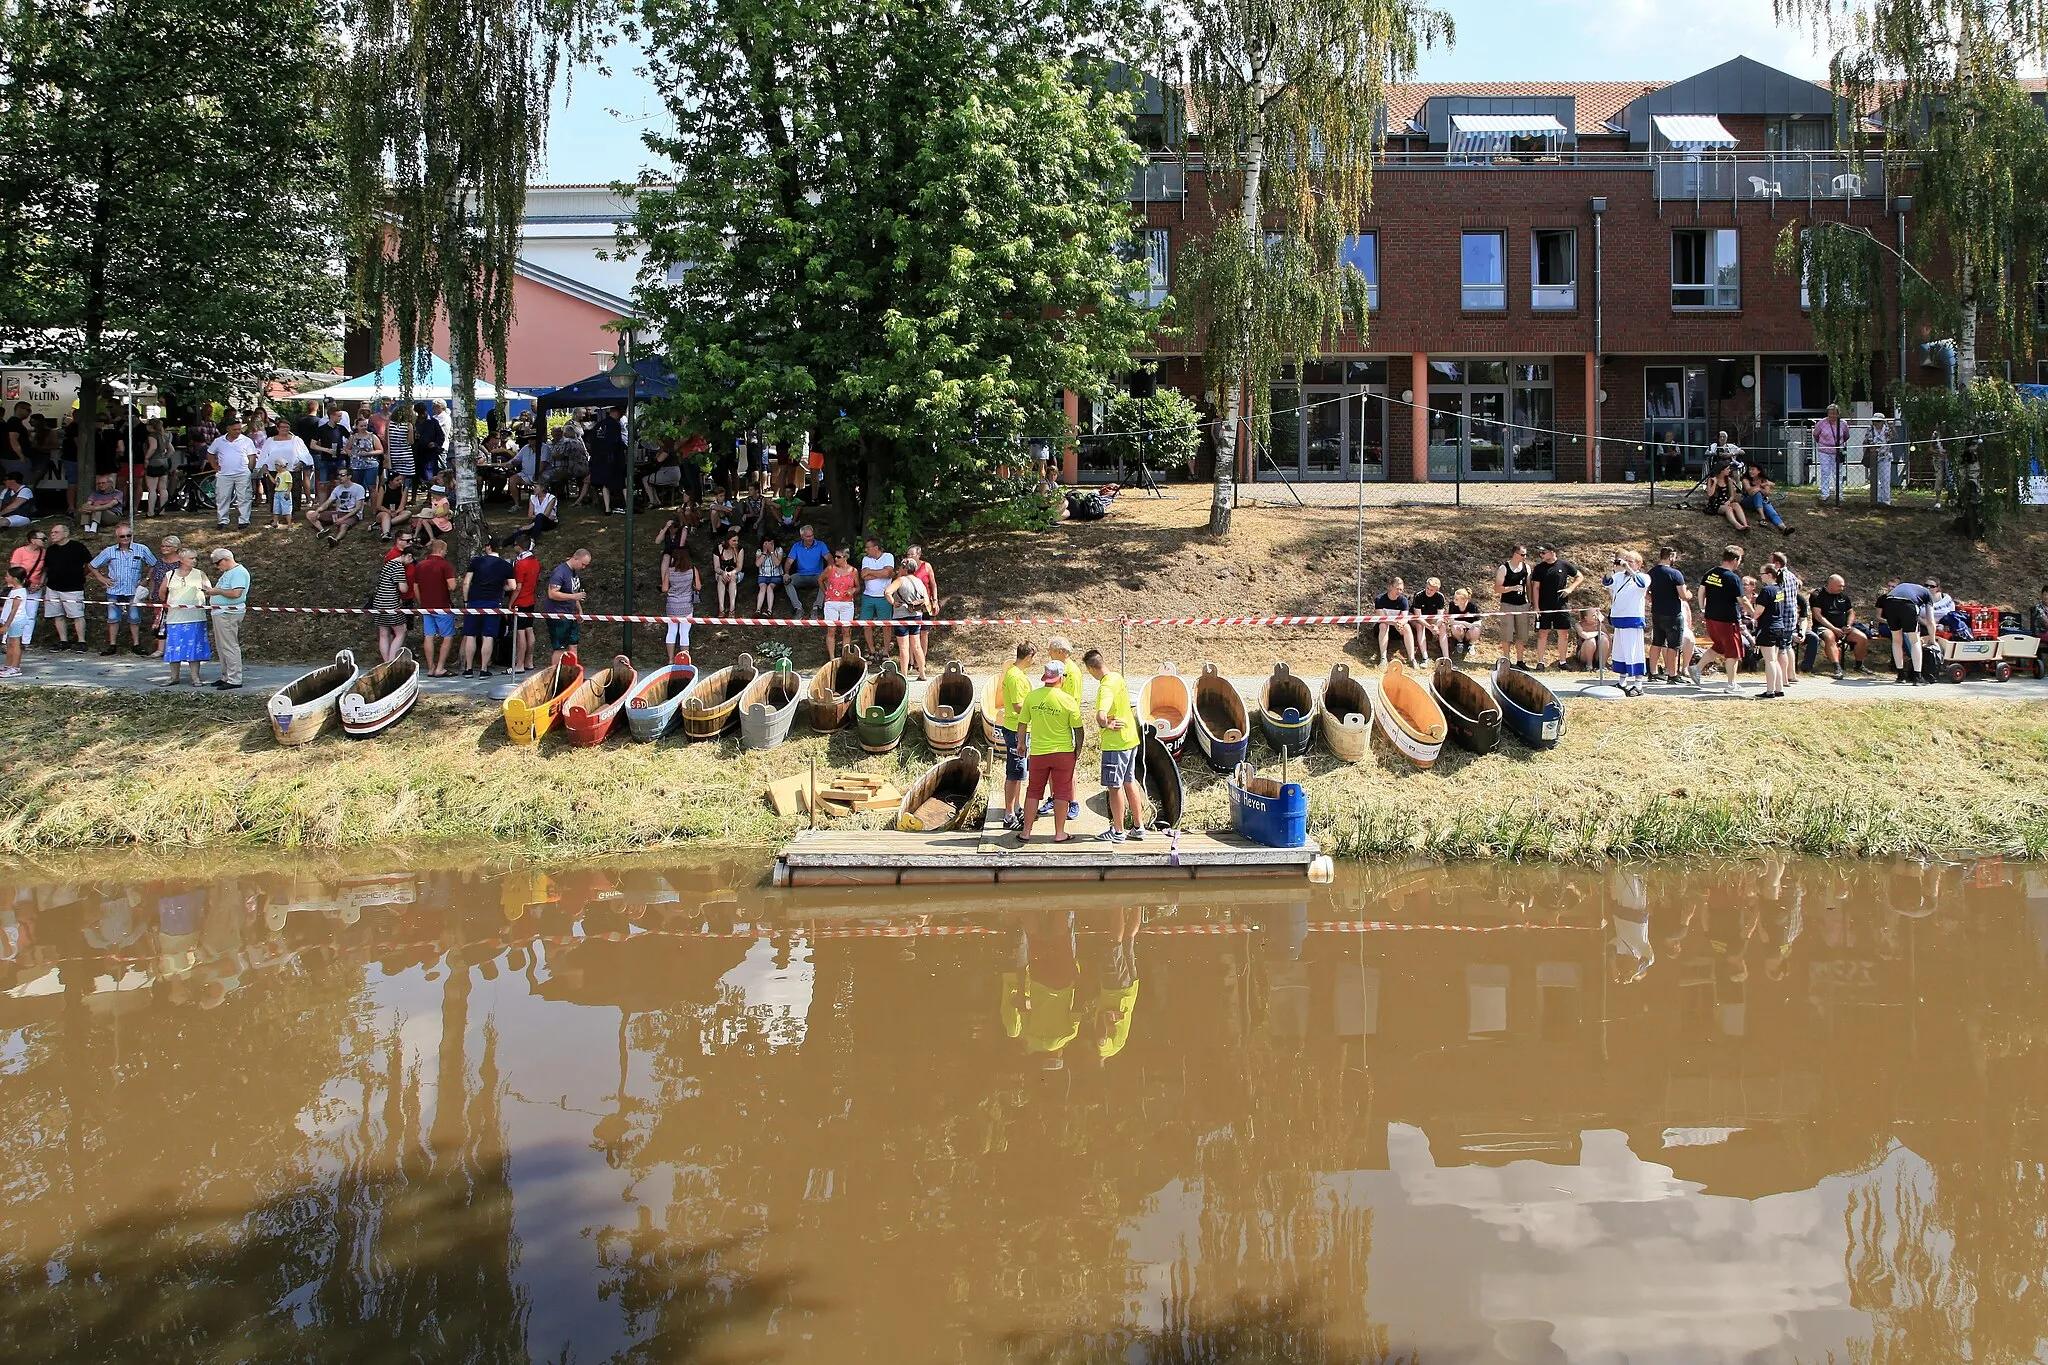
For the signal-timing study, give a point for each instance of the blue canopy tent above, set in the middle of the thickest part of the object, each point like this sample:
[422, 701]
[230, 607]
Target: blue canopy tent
[657, 380]
[432, 378]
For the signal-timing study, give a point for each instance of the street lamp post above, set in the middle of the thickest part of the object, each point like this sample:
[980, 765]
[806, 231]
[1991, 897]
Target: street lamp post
[624, 376]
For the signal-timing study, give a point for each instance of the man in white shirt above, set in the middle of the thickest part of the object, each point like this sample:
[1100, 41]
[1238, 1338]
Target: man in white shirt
[285, 460]
[230, 457]
[877, 567]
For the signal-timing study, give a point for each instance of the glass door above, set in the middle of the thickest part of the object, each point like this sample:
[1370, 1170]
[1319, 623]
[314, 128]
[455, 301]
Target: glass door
[1446, 434]
[1365, 435]
[1323, 451]
[1486, 451]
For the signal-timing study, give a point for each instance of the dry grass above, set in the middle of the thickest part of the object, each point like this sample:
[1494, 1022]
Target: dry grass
[1155, 558]
[1654, 777]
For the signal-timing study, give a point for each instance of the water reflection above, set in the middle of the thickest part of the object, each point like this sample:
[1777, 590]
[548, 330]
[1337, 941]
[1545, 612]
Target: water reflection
[1757, 1111]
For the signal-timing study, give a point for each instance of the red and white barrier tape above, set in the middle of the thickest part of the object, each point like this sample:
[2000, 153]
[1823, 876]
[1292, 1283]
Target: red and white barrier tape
[785, 622]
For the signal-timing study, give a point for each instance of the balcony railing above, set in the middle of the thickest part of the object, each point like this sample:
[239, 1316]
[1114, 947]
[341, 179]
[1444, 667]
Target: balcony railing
[1760, 177]
[1807, 177]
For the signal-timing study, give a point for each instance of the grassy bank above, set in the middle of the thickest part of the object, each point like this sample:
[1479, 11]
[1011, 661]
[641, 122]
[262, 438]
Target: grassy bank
[1650, 778]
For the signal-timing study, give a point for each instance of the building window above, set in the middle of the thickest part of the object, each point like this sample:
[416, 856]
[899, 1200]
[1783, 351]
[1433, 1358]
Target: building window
[1797, 135]
[1363, 252]
[1554, 268]
[1704, 271]
[1153, 242]
[1485, 271]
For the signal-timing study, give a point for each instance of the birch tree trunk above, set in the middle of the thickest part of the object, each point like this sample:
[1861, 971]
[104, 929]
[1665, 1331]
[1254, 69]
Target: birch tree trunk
[1966, 326]
[1236, 437]
[468, 496]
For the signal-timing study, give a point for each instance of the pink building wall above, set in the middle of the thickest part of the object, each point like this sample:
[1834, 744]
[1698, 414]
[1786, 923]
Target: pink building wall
[553, 335]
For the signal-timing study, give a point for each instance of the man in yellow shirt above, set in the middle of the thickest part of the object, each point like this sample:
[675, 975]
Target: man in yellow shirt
[1011, 689]
[1117, 724]
[1051, 719]
[1060, 650]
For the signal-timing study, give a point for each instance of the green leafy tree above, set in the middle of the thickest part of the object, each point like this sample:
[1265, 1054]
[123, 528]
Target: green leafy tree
[1944, 77]
[1288, 97]
[443, 113]
[899, 226]
[168, 211]
[1162, 431]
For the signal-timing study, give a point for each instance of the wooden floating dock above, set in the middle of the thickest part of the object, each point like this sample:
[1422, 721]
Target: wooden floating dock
[888, 858]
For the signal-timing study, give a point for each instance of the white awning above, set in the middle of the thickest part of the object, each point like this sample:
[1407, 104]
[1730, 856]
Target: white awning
[1480, 134]
[1692, 132]
[1514, 125]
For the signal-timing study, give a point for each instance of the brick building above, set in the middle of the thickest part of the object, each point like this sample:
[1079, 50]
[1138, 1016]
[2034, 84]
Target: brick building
[1555, 261]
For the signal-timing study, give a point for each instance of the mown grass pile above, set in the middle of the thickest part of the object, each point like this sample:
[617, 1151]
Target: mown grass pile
[1647, 778]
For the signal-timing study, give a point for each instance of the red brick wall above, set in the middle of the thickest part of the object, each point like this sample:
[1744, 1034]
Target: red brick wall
[1420, 214]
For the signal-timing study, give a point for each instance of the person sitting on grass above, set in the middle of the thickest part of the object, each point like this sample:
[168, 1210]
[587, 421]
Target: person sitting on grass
[1432, 621]
[768, 577]
[1391, 610]
[1591, 645]
[105, 501]
[1466, 623]
[1721, 496]
[17, 503]
[339, 510]
[1756, 498]
[393, 500]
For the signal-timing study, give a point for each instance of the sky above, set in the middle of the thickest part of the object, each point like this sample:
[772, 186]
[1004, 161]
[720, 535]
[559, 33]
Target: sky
[595, 133]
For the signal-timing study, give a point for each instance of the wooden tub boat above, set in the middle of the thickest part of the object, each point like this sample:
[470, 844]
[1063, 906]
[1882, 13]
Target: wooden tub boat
[1159, 777]
[944, 798]
[1287, 712]
[1408, 716]
[949, 709]
[712, 705]
[1166, 704]
[652, 704]
[1529, 710]
[991, 728]
[828, 703]
[1346, 712]
[311, 702]
[591, 710]
[1469, 708]
[532, 709]
[1222, 730]
[380, 698]
[769, 705]
[879, 712]
[1274, 814]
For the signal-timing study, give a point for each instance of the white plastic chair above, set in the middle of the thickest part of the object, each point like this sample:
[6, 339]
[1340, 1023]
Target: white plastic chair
[1760, 188]
[1850, 186]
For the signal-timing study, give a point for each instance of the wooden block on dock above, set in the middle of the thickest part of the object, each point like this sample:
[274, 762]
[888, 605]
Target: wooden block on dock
[884, 798]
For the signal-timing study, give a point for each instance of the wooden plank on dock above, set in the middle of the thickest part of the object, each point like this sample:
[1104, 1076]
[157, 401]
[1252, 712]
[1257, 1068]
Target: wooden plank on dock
[971, 857]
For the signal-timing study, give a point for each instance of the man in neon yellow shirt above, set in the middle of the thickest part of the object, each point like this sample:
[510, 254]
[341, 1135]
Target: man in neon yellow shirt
[1011, 689]
[1060, 650]
[1051, 719]
[1117, 725]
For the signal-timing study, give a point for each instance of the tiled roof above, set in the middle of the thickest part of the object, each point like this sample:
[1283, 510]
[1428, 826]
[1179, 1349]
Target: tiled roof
[1598, 101]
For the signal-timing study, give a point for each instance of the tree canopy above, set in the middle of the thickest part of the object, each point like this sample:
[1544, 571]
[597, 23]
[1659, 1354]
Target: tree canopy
[169, 210]
[1286, 97]
[900, 227]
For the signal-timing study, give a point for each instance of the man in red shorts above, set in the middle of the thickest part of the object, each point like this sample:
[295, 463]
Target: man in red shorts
[1722, 591]
[1052, 716]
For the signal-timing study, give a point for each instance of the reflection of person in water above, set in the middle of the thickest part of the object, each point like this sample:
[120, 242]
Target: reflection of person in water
[1038, 995]
[1112, 969]
[1631, 955]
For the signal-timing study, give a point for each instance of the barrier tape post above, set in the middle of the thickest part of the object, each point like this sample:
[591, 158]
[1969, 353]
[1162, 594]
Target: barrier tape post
[1123, 646]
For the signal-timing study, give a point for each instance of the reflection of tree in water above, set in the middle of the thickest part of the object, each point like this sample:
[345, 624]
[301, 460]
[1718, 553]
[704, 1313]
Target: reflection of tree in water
[403, 1243]
[1951, 1261]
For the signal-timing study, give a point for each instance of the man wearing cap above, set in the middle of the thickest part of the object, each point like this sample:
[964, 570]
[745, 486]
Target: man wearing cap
[1118, 724]
[229, 600]
[229, 457]
[1051, 717]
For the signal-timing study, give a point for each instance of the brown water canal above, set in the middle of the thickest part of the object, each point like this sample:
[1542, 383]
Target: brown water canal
[1758, 1113]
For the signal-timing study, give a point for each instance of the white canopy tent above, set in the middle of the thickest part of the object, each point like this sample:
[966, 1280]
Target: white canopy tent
[1692, 132]
[434, 380]
[1494, 134]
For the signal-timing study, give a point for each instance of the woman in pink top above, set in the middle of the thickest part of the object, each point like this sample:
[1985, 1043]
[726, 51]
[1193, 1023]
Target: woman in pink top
[29, 559]
[840, 585]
